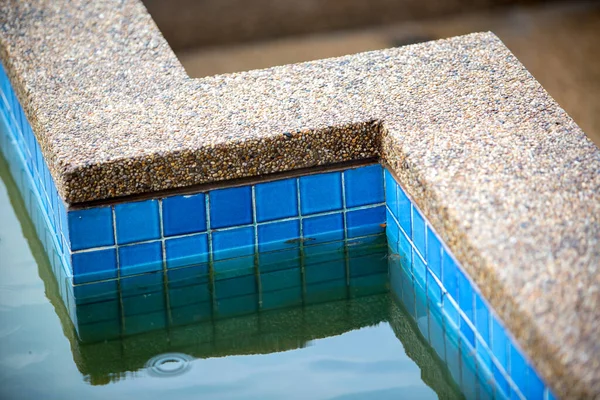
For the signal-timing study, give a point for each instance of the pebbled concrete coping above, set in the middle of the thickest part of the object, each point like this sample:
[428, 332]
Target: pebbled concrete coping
[501, 171]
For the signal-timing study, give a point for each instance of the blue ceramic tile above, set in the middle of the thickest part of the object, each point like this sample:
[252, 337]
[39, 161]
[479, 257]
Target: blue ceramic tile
[323, 228]
[233, 267]
[518, 369]
[468, 381]
[233, 287]
[232, 243]
[98, 311]
[276, 200]
[282, 298]
[465, 295]
[408, 293]
[486, 386]
[482, 318]
[188, 295]
[434, 254]
[324, 252]
[189, 276]
[449, 275]
[330, 271]
[191, 314]
[144, 303]
[364, 186]
[95, 292]
[499, 342]
[140, 258]
[184, 214]
[92, 227]
[137, 221]
[453, 359]
[436, 335]
[483, 355]
[323, 292]
[321, 192]
[140, 323]
[234, 306]
[279, 235]
[391, 195]
[392, 230]
[279, 260]
[418, 232]
[367, 264]
[279, 280]
[405, 251]
[367, 221]
[419, 270]
[395, 279]
[434, 291]
[422, 313]
[404, 214]
[501, 381]
[140, 284]
[535, 390]
[187, 250]
[94, 265]
[230, 207]
[467, 332]
[99, 331]
[514, 394]
[450, 311]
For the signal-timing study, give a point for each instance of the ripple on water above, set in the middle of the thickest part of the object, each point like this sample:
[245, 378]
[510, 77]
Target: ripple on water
[169, 364]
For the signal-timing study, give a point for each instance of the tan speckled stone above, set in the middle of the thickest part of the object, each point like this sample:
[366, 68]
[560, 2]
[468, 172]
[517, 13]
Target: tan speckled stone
[501, 171]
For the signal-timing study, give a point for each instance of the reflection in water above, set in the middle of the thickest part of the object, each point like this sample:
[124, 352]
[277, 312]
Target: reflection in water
[323, 323]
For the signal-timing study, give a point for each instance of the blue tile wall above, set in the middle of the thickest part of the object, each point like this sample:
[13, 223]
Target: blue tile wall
[224, 224]
[419, 260]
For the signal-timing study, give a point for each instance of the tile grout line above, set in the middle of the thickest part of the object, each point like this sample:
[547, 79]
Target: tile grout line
[258, 281]
[167, 297]
[301, 247]
[346, 250]
[119, 289]
[211, 261]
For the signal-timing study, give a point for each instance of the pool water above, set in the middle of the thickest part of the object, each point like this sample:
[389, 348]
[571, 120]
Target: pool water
[346, 338]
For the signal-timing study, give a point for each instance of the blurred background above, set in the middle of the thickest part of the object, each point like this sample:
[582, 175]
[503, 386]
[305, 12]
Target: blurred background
[558, 41]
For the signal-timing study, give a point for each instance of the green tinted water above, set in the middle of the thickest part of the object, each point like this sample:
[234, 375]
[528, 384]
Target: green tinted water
[357, 347]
